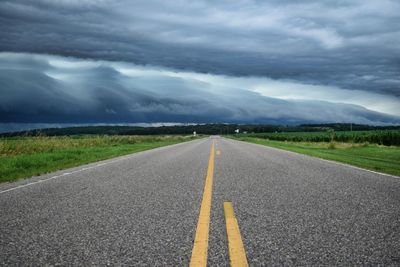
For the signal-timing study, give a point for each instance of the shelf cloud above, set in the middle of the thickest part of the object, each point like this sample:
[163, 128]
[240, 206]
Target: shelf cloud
[54, 89]
[200, 61]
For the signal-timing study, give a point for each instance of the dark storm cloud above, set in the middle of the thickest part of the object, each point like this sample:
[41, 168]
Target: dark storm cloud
[351, 44]
[65, 90]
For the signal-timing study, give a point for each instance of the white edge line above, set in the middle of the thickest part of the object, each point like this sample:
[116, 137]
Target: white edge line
[90, 167]
[47, 179]
[327, 160]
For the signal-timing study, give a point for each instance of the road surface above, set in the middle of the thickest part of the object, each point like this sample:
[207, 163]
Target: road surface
[143, 210]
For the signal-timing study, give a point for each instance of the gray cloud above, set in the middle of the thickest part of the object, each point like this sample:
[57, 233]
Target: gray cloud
[65, 90]
[350, 44]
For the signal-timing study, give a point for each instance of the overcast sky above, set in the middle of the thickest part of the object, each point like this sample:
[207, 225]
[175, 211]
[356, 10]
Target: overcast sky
[277, 61]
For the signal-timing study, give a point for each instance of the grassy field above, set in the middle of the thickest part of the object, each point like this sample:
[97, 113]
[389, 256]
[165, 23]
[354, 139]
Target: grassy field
[29, 156]
[369, 156]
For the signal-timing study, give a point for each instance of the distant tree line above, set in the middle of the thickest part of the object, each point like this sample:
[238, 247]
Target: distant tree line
[206, 129]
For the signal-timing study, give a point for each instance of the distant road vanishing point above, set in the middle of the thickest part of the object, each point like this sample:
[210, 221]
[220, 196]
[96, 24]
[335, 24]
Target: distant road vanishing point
[211, 201]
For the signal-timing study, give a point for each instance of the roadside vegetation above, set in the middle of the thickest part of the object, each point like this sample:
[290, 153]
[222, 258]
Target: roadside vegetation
[377, 151]
[29, 156]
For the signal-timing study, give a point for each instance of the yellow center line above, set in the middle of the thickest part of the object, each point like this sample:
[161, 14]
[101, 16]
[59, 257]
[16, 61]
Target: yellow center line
[200, 246]
[237, 253]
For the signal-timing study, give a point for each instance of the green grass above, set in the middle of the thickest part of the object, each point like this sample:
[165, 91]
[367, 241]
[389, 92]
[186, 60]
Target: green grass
[29, 156]
[374, 157]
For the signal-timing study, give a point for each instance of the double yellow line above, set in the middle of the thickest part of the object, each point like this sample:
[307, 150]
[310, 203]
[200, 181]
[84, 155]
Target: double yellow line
[200, 247]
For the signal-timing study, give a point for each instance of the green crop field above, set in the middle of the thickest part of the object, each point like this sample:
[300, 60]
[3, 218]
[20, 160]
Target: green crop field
[380, 137]
[369, 154]
[28, 156]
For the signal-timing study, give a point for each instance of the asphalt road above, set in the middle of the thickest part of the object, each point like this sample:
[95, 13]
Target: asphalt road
[142, 210]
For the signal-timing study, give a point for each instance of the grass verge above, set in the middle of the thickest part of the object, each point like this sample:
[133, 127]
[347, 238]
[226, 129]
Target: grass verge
[384, 159]
[29, 156]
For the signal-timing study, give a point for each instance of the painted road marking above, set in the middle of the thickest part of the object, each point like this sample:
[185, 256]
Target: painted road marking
[237, 253]
[200, 246]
